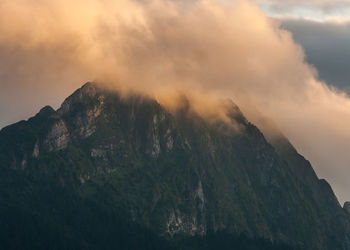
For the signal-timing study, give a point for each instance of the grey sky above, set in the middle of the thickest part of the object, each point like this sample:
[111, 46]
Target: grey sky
[327, 47]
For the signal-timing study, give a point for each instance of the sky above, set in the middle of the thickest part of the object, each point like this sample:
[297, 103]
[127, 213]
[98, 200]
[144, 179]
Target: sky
[322, 27]
[285, 60]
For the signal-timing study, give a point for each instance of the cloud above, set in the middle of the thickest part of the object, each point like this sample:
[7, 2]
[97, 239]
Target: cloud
[319, 10]
[306, 2]
[325, 5]
[202, 48]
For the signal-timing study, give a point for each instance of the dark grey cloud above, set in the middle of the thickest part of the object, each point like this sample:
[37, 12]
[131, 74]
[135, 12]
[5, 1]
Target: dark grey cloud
[327, 47]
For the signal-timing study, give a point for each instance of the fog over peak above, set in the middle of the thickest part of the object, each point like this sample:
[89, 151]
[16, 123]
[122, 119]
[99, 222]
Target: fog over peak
[204, 48]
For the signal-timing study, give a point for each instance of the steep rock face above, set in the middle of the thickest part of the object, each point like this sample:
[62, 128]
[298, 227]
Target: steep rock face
[347, 207]
[175, 174]
[57, 138]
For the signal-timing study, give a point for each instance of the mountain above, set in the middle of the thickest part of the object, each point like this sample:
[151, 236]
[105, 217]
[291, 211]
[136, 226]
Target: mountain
[106, 171]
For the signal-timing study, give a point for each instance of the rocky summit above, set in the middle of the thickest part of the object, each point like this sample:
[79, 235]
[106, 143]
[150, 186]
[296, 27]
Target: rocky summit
[111, 172]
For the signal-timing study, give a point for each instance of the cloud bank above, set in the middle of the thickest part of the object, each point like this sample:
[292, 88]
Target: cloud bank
[203, 48]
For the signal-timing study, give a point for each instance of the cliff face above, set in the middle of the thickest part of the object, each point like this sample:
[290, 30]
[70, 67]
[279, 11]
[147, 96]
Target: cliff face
[104, 170]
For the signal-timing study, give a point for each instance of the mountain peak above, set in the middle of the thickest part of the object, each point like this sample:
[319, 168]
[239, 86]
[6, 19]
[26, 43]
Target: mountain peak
[88, 90]
[46, 111]
[176, 175]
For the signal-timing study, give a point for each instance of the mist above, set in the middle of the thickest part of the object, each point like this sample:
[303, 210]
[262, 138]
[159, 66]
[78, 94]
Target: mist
[207, 49]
